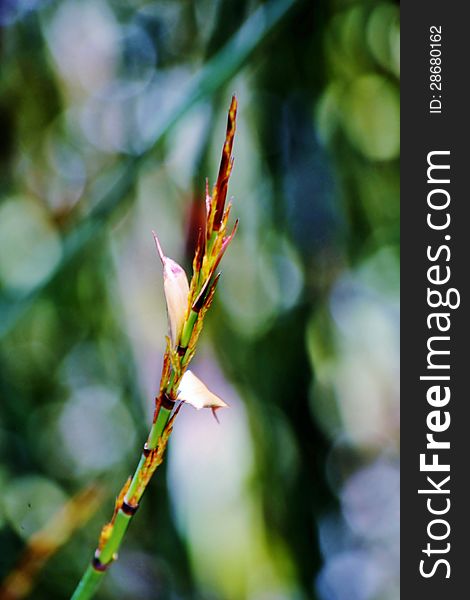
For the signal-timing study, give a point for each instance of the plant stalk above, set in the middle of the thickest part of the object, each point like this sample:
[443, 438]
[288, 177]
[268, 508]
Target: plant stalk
[93, 576]
[176, 359]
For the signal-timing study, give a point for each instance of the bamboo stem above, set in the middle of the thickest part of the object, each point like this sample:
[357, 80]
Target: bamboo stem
[188, 329]
[177, 357]
[93, 575]
[157, 429]
[89, 583]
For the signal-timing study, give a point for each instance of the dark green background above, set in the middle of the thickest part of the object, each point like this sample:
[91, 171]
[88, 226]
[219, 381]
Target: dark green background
[111, 116]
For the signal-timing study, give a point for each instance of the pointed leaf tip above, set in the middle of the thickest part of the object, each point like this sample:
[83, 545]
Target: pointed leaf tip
[214, 414]
[159, 248]
[233, 105]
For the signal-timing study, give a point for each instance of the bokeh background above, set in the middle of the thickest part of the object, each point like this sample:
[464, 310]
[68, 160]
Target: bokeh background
[112, 114]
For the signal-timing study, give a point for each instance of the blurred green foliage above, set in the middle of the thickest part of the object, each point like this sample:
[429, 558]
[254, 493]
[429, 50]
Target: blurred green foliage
[111, 116]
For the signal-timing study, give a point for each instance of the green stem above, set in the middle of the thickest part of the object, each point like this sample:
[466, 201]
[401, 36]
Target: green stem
[92, 577]
[188, 329]
[171, 382]
[89, 583]
[109, 552]
[157, 429]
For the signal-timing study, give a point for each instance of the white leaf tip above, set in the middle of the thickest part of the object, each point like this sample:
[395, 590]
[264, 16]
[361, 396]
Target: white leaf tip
[159, 248]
